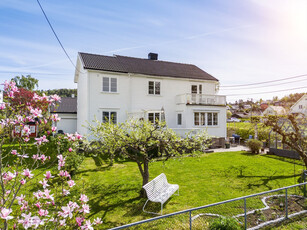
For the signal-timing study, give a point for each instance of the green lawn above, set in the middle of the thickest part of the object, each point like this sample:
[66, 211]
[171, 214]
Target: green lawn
[114, 191]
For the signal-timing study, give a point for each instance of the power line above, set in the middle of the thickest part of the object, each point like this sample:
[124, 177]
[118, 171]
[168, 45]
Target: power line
[264, 82]
[57, 37]
[305, 87]
[29, 72]
[267, 85]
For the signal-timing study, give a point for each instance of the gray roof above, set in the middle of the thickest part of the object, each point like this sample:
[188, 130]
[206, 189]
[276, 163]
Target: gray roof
[67, 105]
[124, 64]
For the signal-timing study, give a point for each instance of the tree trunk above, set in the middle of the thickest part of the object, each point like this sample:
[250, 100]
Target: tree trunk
[145, 174]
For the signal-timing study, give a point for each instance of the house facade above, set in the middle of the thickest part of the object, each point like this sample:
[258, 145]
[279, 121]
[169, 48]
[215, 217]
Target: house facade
[300, 106]
[118, 88]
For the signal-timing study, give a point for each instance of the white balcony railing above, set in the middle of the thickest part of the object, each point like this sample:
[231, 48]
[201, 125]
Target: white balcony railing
[200, 99]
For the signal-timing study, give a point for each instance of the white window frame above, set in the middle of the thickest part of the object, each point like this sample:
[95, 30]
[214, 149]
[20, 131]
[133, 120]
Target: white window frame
[110, 113]
[201, 119]
[154, 88]
[109, 84]
[154, 115]
[179, 114]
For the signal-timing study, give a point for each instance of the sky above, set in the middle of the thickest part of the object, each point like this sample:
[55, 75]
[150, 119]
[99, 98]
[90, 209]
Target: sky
[239, 42]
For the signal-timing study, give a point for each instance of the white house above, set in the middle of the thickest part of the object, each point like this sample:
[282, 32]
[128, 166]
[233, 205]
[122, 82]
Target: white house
[274, 110]
[67, 111]
[300, 106]
[120, 87]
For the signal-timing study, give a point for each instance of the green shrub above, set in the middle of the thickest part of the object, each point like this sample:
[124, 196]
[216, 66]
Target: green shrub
[254, 145]
[225, 223]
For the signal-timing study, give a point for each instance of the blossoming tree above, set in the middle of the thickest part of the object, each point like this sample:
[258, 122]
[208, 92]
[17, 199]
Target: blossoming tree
[49, 206]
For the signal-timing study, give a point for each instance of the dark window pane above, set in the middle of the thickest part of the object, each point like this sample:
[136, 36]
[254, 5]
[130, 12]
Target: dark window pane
[209, 119]
[105, 117]
[114, 117]
[194, 89]
[179, 119]
[113, 85]
[157, 117]
[200, 89]
[215, 119]
[150, 87]
[105, 84]
[157, 88]
[151, 117]
[196, 118]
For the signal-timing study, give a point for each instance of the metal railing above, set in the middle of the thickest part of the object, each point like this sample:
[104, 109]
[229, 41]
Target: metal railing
[250, 211]
[202, 99]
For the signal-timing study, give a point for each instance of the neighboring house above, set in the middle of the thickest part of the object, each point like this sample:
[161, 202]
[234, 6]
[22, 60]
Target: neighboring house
[67, 111]
[118, 87]
[274, 110]
[264, 106]
[300, 106]
[240, 115]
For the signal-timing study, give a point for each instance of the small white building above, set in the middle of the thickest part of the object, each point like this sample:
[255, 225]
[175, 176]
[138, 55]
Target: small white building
[120, 87]
[274, 110]
[67, 111]
[300, 106]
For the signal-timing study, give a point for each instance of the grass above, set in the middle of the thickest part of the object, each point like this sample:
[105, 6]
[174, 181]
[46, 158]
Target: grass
[210, 178]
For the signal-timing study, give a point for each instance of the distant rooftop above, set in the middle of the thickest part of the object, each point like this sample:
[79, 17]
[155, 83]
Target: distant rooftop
[67, 105]
[124, 64]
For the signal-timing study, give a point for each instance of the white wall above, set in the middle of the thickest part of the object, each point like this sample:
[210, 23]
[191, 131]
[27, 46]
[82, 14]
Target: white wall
[68, 123]
[132, 96]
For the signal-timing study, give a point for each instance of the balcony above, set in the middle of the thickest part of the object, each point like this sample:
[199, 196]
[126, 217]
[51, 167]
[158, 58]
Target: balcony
[200, 99]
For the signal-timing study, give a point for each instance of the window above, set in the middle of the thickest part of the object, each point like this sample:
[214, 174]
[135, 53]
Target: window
[300, 106]
[109, 84]
[108, 116]
[179, 118]
[200, 119]
[154, 87]
[154, 117]
[212, 119]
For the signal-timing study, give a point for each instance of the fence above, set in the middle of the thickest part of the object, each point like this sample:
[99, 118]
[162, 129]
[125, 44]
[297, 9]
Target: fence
[251, 212]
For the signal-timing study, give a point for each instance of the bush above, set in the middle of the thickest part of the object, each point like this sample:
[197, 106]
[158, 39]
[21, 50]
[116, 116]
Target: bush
[254, 145]
[225, 223]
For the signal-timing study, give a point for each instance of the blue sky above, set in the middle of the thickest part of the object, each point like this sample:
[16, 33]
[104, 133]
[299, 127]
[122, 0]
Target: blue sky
[238, 41]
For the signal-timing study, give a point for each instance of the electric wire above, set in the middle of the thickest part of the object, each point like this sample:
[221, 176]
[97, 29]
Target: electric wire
[29, 72]
[57, 36]
[264, 82]
[304, 87]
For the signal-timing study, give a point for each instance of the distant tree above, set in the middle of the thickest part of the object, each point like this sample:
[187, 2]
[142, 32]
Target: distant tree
[60, 92]
[26, 82]
[229, 114]
[293, 131]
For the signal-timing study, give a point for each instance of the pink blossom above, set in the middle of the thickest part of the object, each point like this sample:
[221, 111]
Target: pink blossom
[14, 152]
[48, 175]
[65, 192]
[23, 181]
[62, 222]
[2, 106]
[43, 212]
[71, 183]
[47, 195]
[53, 129]
[66, 212]
[85, 208]
[61, 161]
[20, 199]
[36, 112]
[27, 173]
[78, 136]
[84, 198]
[38, 204]
[64, 174]
[4, 214]
[23, 155]
[70, 149]
[87, 226]
[44, 182]
[39, 194]
[79, 220]
[97, 221]
[26, 139]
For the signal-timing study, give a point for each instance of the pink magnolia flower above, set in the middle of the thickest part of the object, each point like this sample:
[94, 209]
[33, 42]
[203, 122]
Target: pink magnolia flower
[66, 212]
[26, 139]
[85, 208]
[71, 183]
[65, 192]
[2, 106]
[62, 222]
[44, 183]
[14, 152]
[48, 175]
[23, 181]
[64, 174]
[70, 149]
[20, 199]
[4, 214]
[97, 221]
[79, 220]
[48, 195]
[84, 198]
[61, 161]
[36, 112]
[87, 226]
[43, 212]
[27, 173]
[53, 129]
[78, 136]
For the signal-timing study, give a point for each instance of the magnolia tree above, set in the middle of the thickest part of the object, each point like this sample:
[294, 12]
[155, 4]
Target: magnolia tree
[34, 182]
[141, 141]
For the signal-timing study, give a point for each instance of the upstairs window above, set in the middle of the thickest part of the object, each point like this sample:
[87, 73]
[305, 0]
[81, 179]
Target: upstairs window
[109, 84]
[154, 87]
[179, 118]
[109, 116]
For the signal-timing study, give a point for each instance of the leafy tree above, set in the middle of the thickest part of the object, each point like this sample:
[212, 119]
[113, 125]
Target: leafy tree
[229, 114]
[26, 82]
[141, 141]
[60, 92]
[293, 131]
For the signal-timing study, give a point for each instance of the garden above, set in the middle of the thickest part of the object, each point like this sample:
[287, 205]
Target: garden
[66, 182]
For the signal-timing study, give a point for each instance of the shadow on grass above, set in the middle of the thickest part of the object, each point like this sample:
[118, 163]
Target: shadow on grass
[266, 179]
[284, 159]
